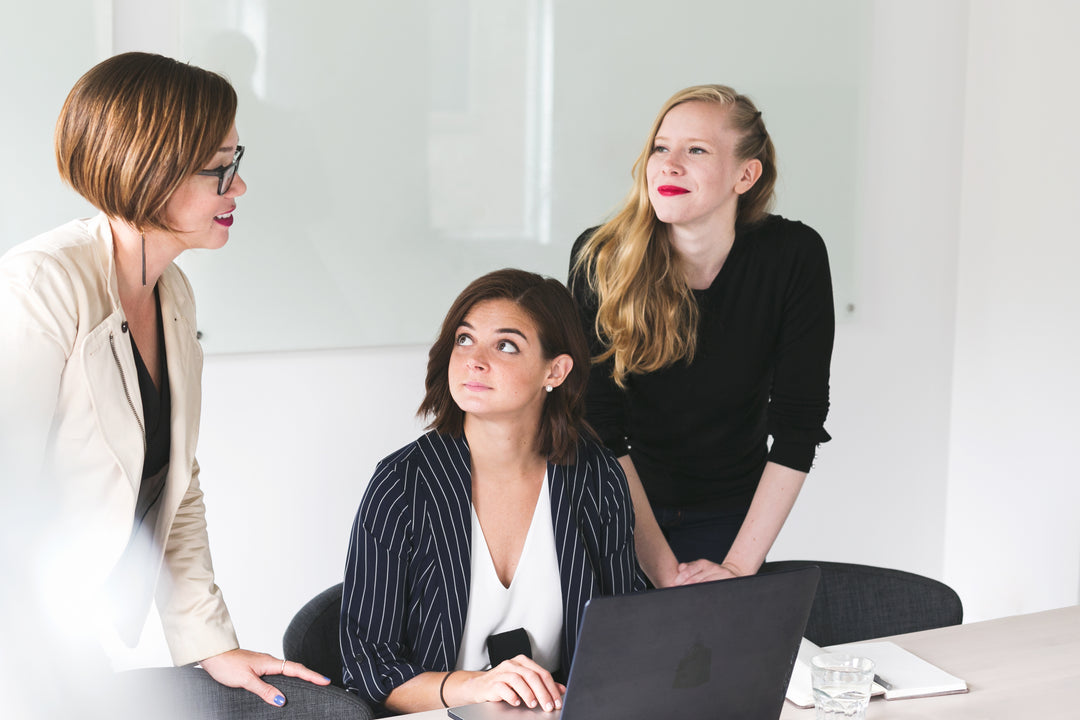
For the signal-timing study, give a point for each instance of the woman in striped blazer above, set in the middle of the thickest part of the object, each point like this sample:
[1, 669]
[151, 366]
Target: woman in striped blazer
[507, 515]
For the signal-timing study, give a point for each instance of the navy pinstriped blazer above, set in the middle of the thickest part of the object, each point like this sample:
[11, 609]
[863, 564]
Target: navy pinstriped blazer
[407, 574]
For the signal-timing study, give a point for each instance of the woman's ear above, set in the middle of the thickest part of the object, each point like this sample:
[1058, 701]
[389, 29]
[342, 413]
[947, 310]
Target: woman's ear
[750, 174]
[559, 369]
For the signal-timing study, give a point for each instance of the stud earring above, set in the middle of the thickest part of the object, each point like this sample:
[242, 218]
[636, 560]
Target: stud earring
[548, 388]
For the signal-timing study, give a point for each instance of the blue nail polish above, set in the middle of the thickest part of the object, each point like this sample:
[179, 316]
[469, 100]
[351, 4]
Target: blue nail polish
[326, 678]
[279, 700]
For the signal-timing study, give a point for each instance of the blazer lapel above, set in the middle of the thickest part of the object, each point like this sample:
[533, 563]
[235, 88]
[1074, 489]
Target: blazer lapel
[113, 384]
[575, 571]
[184, 360]
[451, 511]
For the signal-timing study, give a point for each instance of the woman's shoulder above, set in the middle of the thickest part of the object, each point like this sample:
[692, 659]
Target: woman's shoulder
[177, 283]
[582, 239]
[430, 444]
[595, 482]
[782, 231]
[73, 251]
[392, 483]
[403, 455]
[419, 459]
[593, 462]
[577, 283]
[60, 278]
[781, 239]
[592, 449]
[427, 476]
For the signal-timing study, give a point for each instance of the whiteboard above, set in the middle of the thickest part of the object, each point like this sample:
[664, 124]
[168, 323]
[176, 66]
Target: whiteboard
[397, 150]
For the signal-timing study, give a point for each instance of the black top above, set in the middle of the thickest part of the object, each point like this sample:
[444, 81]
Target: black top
[697, 433]
[157, 414]
[135, 573]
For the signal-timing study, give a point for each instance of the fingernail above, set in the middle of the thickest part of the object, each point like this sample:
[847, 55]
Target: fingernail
[326, 678]
[558, 704]
[547, 707]
[279, 700]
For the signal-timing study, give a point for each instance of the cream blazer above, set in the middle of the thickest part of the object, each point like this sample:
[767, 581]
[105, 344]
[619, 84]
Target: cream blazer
[72, 444]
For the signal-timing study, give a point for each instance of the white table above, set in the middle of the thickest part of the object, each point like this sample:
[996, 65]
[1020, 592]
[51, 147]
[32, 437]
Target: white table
[1025, 667]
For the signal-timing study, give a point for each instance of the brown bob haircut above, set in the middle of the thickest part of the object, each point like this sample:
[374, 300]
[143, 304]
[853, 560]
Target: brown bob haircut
[135, 127]
[551, 308]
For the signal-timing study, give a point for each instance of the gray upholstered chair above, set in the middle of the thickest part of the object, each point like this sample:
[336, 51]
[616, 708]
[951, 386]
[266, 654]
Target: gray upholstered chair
[312, 639]
[860, 602]
[189, 693]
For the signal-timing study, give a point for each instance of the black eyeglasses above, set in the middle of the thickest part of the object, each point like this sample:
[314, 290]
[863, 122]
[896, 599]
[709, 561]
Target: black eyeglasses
[225, 173]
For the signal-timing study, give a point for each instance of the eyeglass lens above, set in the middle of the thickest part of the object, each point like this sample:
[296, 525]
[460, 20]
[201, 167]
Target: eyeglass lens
[230, 173]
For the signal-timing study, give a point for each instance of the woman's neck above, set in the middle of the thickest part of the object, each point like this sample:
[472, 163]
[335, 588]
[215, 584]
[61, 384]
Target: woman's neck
[136, 288]
[503, 450]
[702, 252]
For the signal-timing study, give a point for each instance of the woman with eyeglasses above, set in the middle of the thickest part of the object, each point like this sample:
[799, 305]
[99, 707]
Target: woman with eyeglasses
[101, 368]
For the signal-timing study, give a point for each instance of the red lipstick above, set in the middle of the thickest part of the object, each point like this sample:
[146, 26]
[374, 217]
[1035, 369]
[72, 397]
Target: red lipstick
[669, 190]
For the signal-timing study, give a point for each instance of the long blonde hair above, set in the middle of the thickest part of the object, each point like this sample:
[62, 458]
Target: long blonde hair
[647, 317]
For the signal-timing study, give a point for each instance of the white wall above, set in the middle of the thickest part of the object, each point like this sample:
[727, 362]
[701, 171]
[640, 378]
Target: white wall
[953, 385]
[287, 444]
[1012, 535]
[877, 491]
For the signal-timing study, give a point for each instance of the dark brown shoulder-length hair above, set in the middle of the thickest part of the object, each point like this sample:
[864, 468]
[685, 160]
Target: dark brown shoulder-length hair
[551, 308]
[137, 125]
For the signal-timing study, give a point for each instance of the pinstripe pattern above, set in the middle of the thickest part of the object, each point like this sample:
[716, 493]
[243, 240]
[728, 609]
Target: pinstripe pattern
[407, 576]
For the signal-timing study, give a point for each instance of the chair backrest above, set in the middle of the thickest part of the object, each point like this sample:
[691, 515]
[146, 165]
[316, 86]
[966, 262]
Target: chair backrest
[312, 635]
[860, 602]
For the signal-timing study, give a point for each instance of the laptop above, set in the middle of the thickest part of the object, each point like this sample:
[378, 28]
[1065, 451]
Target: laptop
[722, 649]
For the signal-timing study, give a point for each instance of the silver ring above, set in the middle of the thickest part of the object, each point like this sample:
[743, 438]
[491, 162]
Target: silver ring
[282, 667]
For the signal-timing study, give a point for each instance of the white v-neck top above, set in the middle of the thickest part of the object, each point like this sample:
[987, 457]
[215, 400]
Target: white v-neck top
[533, 601]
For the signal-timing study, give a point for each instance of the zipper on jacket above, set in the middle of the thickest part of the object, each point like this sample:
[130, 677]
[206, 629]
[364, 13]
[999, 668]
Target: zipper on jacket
[127, 393]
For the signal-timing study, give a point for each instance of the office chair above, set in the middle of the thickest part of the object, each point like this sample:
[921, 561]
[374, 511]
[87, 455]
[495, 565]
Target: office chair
[312, 639]
[860, 602]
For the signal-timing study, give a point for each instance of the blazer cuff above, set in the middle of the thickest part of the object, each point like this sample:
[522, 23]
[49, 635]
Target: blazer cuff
[195, 646]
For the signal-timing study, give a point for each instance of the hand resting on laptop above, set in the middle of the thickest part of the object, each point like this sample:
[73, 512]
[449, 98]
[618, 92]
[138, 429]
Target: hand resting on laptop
[513, 681]
[506, 515]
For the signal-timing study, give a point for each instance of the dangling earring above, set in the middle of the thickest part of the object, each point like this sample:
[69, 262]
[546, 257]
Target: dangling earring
[548, 388]
[143, 260]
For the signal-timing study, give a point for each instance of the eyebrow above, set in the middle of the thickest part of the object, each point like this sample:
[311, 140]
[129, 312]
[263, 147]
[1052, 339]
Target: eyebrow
[501, 331]
[664, 138]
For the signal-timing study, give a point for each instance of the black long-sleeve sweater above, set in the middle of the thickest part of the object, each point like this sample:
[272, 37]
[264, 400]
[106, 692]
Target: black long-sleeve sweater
[697, 433]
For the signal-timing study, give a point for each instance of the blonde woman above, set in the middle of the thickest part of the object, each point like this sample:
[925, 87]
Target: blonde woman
[711, 324]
